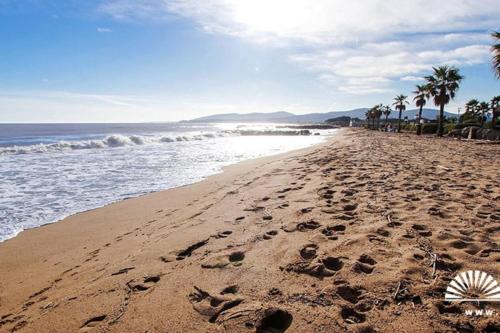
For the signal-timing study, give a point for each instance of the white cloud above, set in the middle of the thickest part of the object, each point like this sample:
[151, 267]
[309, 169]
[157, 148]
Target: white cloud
[371, 68]
[103, 30]
[357, 46]
[411, 78]
[319, 20]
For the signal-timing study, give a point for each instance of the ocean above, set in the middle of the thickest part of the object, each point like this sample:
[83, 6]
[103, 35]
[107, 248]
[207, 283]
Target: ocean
[51, 171]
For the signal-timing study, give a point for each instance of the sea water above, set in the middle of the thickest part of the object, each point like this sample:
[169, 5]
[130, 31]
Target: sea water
[50, 171]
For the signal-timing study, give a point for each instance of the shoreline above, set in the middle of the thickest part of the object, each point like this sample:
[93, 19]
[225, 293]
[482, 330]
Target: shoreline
[221, 170]
[336, 236]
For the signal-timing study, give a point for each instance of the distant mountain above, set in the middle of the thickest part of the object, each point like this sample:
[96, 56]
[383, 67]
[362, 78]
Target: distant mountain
[244, 117]
[287, 117]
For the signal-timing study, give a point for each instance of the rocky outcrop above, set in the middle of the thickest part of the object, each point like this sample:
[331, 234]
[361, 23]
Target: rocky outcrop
[474, 132]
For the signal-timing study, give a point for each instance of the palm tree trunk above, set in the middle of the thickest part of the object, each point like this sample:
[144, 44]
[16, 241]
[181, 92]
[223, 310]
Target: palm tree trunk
[482, 118]
[419, 125]
[440, 129]
[494, 119]
[399, 121]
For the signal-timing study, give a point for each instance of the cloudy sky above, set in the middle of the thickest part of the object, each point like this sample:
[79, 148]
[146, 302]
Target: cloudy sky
[161, 60]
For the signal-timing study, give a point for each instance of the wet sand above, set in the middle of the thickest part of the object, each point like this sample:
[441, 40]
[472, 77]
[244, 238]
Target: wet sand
[360, 234]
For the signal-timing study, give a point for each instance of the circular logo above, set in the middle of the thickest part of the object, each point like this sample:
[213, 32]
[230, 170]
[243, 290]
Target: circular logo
[473, 286]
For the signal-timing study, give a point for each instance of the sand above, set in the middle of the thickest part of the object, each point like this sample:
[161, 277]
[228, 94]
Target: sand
[359, 234]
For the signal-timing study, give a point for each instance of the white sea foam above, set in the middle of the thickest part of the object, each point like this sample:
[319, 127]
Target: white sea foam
[111, 141]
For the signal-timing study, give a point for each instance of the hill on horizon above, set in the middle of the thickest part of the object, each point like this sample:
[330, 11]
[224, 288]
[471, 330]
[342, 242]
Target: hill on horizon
[288, 117]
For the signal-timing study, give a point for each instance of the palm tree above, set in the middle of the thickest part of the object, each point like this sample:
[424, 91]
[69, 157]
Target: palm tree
[471, 105]
[443, 85]
[471, 109]
[495, 49]
[399, 102]
[386, 111]
[483, 107]
[372, 116]
[368, 115]
[378, 114]
[495, 108]
[422, 95]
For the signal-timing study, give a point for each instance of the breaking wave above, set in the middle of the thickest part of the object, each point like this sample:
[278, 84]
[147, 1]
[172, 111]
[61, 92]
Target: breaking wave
[110, 141]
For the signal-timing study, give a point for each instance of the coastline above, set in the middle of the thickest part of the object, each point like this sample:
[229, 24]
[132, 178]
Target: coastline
[316, 233]
[72, 212]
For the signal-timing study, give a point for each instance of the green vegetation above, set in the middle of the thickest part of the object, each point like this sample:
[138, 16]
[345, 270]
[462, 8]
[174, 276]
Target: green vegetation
[399, 102]
[495, 49]
[422, 95]
[442, 86]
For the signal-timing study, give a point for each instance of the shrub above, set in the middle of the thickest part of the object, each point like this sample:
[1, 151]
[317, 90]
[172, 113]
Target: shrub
[430, 128]
[467, 124]
[409, 127]
[448, 127]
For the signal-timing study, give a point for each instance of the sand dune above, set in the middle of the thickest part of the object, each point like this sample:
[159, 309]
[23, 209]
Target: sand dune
[360, 234]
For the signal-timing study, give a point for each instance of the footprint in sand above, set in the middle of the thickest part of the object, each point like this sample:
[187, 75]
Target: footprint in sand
[352, 316]
[422, 230]
[189, 250]
[320, 267]
[332, 232]
[254, 317]
[147, 283]
[468, 247]
[123, 271]
[446, 263]
[308, 252]
[394, 224]
[92, 322]
[230, 290]
[350, 294]
[376, 239]
[365, 264]
[308, 225]
[350, 207]
[274, 321]
[222, 261]
[306, 210]
[270, 234]
[223, 234]
[383, 232]
[302, 226]
[211, 305]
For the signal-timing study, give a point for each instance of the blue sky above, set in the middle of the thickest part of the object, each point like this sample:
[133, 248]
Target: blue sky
[162, 60]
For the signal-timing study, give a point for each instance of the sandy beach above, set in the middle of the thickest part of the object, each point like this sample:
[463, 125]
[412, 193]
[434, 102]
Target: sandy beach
[359, 234]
